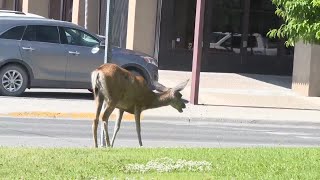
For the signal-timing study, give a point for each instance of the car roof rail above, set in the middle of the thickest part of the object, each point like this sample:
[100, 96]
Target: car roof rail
[10, 11]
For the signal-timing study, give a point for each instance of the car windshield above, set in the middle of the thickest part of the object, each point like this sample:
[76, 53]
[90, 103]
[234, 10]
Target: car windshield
[216, 37]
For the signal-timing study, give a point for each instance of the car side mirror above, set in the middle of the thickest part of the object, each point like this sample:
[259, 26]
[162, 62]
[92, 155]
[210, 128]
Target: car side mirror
[102, 44]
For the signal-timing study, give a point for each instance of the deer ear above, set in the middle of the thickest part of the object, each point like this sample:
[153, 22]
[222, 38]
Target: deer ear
[159, 87]
[181, 86]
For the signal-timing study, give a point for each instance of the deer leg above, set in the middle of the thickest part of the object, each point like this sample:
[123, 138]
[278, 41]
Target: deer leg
[137, 114]
[105, 118]
[99, 102]
[117, 126]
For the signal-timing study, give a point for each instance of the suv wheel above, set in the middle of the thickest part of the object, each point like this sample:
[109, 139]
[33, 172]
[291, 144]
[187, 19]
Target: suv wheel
[136, 73]
[13, 80]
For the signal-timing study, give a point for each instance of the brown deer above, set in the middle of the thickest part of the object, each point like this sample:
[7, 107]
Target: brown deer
[120, 89]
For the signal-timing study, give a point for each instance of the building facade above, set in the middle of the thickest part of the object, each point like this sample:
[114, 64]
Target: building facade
[234, 37]
[235, 31]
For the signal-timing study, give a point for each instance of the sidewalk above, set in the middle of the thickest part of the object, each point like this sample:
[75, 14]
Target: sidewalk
[223, 97]
[230, 96]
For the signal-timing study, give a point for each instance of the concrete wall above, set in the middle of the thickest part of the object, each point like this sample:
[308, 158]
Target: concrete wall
[40, 7]
[141, 25]
[306, 69]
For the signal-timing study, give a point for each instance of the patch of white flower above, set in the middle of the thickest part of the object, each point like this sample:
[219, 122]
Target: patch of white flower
[164, 165]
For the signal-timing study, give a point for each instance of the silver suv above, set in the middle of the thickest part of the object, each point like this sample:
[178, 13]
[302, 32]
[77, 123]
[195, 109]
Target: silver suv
[45, 53]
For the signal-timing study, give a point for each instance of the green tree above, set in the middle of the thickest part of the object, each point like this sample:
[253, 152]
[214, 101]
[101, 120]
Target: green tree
[301, 21]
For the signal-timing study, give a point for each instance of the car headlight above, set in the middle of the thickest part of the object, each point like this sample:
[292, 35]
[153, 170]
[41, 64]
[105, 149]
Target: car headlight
[150, 60]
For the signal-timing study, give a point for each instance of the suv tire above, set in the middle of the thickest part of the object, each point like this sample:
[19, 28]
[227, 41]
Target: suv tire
[13, 80]
[136, 73]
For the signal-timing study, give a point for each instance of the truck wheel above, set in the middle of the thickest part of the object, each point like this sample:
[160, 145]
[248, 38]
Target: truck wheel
[13, 80]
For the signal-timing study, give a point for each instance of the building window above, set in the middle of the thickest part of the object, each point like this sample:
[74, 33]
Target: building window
[18, 5]
[61, 10]
[184, 21]
[262, 19]
[225, 26]
[11, 5]
[120, 20]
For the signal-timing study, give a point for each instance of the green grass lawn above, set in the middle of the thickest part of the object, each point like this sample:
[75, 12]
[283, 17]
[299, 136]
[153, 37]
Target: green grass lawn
[235, 163]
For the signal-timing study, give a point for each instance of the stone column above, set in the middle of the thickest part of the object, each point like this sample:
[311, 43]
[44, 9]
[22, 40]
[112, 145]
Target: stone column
[78, 14]
[141, 25]
[39, 7]
[306, 69]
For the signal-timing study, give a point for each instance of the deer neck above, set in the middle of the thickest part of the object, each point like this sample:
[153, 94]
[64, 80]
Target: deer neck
[160, 100]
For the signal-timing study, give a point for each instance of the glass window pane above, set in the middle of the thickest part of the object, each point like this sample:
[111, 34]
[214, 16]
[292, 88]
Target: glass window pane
[262, 19]
[225, 26]
[184, 21]
[40, 33]
[14, 33]
[79, 38]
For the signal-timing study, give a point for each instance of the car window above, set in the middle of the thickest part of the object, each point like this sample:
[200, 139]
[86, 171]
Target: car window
[252, 42]
[233, 41]
[79, 38]
[40, 33]
[236, 41]
[14, 33]
[216, 37]
[227, 43]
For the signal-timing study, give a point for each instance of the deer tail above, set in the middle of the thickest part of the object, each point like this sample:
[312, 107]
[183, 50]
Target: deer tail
[95, 82]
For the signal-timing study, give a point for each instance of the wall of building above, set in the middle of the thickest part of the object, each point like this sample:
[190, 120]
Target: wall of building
[7, 4]
[37, 7]
[306, 69]
[78, 14]
[142, 17]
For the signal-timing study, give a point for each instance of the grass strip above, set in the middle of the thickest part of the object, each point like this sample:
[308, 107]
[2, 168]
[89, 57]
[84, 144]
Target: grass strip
[226, 163]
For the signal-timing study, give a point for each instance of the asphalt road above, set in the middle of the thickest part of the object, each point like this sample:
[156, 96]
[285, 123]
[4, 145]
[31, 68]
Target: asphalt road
[158, 133]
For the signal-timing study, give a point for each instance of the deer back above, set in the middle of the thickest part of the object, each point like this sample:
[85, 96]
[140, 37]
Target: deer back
[124, 88]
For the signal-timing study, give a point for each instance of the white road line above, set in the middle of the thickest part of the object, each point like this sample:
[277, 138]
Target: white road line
[308, 137]
[288, 133]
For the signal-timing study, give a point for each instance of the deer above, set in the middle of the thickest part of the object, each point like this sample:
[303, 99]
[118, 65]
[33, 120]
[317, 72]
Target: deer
[120, 89]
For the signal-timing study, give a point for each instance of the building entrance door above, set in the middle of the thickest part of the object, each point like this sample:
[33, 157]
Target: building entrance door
[225, 32]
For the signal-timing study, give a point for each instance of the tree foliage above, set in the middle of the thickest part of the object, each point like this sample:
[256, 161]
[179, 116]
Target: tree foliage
[301, 21]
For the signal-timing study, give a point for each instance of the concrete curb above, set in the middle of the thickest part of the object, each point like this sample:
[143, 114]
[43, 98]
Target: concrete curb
[161, 118]
[61, 115]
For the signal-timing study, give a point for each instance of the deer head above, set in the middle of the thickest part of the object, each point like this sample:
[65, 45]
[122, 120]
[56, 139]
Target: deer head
[174, 95]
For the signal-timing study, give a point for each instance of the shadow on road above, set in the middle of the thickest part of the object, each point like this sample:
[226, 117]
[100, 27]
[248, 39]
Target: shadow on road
[59, 95]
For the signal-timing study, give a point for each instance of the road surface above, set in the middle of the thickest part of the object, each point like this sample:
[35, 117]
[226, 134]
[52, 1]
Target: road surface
[158, 133]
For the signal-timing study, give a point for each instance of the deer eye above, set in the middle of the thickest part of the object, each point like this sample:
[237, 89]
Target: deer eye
[178, 94]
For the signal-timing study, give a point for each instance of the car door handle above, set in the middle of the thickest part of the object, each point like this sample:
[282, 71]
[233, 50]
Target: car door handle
[74, 53]
[28, 48]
